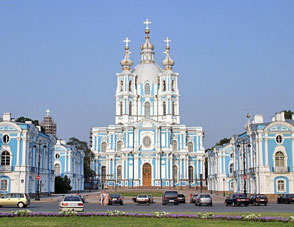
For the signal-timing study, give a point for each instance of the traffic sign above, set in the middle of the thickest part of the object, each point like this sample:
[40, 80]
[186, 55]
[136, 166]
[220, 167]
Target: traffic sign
[38, 177]
[245, 177]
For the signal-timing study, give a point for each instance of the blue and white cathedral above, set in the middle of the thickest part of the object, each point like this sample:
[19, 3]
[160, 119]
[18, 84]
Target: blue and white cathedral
[147, 145]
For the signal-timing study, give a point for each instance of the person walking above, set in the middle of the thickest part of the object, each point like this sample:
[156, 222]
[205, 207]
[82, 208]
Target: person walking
[106, 199]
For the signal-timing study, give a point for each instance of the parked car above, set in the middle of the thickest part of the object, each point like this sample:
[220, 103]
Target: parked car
[237, 200]
[203, 199]
[20, 200]
[285, 198]
[115, 198]
[170, 197]
[82, 198]
[150, 199]
[193, 198]
[143, 199]
[181, 198]
[258, 199]
[71, 203]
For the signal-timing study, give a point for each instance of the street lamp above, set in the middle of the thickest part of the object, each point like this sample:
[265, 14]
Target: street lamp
[38, 176]
[160, 155]
[132, 153]
[244, 143]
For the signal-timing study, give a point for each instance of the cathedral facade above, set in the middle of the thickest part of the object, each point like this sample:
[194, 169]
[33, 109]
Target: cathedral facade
[147, 145]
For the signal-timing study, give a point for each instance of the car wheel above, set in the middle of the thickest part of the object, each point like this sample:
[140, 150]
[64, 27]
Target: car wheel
[234, 204]
[211, 204]
[199, 204]
[20, 205]
[265, 204]
[227, 204]
[176, 203]
[121, 203]
[163, 204]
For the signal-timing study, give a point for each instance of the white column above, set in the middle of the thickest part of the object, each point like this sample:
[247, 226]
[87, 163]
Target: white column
[292, 141]
[260, 150]
[266, 150]
[18, 150]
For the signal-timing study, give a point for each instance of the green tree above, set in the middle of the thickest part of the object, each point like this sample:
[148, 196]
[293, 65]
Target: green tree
[288, 114]
[82, 145]
[24, 119]
[62, 184]
[222, 142]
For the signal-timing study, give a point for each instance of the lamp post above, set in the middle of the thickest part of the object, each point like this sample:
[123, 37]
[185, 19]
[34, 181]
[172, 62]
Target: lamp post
[160, 166]
[132, 153]
[38, 172]
[243, 144]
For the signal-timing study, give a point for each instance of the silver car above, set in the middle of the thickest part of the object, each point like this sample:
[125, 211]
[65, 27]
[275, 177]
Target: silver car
[71, 203]
[205, 199]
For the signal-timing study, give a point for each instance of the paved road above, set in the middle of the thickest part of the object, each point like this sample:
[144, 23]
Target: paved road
[217, 207]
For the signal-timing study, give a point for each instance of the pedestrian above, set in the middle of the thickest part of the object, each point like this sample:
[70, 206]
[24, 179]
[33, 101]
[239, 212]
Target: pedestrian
[106, 199]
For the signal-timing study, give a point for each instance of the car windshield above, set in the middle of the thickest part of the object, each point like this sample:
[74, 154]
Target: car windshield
[205, 196]
[260, 196]
[242, 196]
[72, 198]
[291, 196]
[181, 195]
[172, 194]
[142, 196]
[114, 196]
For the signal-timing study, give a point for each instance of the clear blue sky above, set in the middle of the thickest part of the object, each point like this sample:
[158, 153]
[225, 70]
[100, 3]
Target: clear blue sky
[232, 56]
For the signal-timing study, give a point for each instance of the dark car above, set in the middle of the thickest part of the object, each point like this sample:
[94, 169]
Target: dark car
[170, 197]
[193, 198]
[286, 198]
[115, 199]
[237, 200]
[181, 198]
[258, 199]
[150, 199]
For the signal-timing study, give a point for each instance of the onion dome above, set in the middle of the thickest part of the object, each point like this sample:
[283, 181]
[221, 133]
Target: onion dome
[167, 62]
[126, 63]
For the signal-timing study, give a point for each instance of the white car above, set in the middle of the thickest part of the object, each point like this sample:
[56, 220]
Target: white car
[71, 203]
[142, 199]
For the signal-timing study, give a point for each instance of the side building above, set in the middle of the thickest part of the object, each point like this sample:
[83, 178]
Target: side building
[261, 160]
[25, 153]
[68, 161]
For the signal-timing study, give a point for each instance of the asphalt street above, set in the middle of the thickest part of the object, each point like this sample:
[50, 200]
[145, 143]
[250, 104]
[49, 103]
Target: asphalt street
[131, 207]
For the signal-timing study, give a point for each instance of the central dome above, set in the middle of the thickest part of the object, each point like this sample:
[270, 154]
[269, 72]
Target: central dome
[147, 71]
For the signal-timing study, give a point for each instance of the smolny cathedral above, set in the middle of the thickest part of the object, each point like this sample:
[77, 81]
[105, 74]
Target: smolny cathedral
[147, 146]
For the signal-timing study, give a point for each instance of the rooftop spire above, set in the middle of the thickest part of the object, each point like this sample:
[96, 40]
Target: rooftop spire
[167, 62]
[147, 48]
[126, 63]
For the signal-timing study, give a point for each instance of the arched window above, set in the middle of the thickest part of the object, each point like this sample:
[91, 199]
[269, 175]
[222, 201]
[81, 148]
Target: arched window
[190, 147]
[231, 168]
[4, 185]
[279, 159]
[164, 108]
[173, 85]
[130, 85]
[175, 145]
[231, 185]
[175, 174]
[147, 89]
[147, 109]
[279, 139]
[121, 85]
[173, 108]
[121, 108]
[130, 108]
[281, 185]
[57, 169]
[118, 173]
[232, 155]
[119, 145]
[190, 174]
[163, 85]
[103, 147]
[103, 173]
[5, 158]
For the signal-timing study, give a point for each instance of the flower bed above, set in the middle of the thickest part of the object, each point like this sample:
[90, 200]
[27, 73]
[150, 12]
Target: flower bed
[162, 214]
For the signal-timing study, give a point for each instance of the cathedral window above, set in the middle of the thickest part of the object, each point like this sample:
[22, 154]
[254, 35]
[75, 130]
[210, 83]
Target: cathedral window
[121, 85]
[119, 174]
[281, 185]
[163, 85]
[164, 108]
[279, 159]
[103, 147]
[175, 174]
[5, 158]
[147, 109]
[5, 139]
[191, 174]
[57, 169]
[147, 89]
[190, 147]
[121, 108]
[119, 145]
[3, 184]
[173, 85]
[173, 108]
[175, 145]
[103, 173]
[279, 139]
[231, 168]
[130, 108]
[130, 86]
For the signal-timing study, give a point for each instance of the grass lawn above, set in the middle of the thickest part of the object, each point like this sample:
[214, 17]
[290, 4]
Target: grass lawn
[128, 221]
[135, 193]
